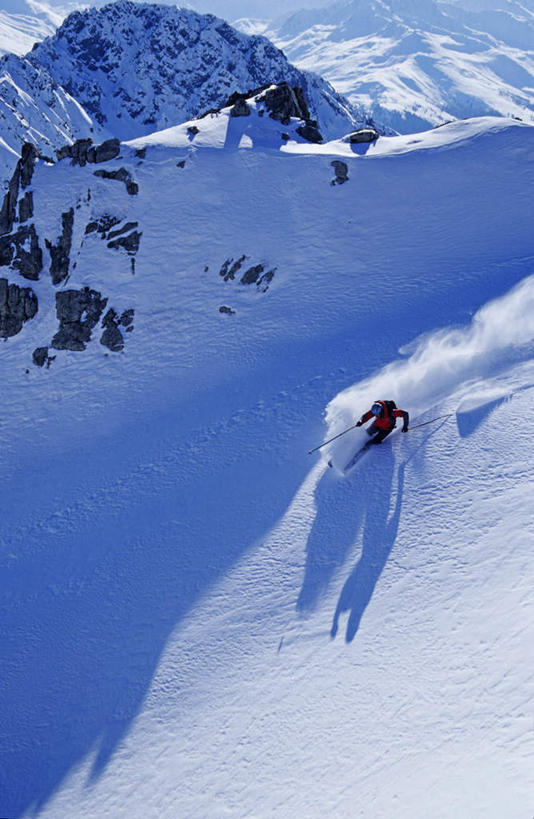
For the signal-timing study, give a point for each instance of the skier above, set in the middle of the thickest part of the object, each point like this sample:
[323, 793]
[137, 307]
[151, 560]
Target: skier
[385, 414]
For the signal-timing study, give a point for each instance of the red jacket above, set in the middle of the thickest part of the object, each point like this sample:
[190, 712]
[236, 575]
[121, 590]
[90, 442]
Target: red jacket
[385, 421]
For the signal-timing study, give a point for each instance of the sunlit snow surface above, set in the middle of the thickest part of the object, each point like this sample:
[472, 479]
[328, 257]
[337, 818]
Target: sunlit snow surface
[201, 619]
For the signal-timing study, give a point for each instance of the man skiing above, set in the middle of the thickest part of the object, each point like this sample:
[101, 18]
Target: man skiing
[385, 414]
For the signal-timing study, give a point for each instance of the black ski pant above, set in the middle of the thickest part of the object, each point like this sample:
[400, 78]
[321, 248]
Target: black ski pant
[378, 434]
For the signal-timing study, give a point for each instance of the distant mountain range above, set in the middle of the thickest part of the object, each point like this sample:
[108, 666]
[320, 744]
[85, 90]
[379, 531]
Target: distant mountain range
[417, 63]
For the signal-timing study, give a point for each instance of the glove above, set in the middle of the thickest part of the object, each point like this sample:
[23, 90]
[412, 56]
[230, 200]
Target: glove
[404, 429]
[358, 423]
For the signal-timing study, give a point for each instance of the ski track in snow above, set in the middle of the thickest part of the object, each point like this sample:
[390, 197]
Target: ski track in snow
[200, 618]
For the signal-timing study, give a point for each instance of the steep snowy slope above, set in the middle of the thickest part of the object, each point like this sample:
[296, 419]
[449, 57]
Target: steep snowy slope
[34, 108]
[19, 32]
[138, 67]
[418, 64]
[200, 619]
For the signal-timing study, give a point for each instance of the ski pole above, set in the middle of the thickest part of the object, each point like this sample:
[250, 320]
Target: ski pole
[431, 421]
[332, 439]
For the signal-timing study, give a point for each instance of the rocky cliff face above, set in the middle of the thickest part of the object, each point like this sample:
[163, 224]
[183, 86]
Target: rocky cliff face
[29, 248]
[139, 68]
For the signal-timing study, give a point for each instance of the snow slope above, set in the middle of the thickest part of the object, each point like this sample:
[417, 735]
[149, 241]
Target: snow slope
[201, 619]
[18, 32]
[34, 108]
[415, 65]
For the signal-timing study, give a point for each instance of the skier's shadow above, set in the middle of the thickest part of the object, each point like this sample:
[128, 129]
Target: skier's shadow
[342, 507]
[379, 535]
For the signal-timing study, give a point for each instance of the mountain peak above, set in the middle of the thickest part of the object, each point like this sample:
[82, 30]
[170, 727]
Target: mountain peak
[138, 67]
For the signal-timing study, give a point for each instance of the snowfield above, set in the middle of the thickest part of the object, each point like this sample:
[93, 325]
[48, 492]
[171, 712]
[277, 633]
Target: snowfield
[201, 619]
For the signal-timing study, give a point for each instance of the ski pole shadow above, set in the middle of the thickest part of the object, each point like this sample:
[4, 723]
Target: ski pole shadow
[379, 535]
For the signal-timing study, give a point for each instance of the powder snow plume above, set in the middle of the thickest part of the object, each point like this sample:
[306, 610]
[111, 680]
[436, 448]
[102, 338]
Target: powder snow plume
[439, 363]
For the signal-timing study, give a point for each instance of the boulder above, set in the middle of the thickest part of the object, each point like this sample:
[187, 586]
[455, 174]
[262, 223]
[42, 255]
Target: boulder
[363, 135]
[78, 312]
[17, 305]
[341, 170]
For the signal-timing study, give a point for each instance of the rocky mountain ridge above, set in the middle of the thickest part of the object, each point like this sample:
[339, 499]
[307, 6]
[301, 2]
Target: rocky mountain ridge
[137, 68]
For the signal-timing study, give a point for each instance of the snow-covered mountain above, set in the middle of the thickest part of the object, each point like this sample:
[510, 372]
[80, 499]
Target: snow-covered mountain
[34, 108]
[198, 617]
[137, 68]
[420, 63]
[19, 32]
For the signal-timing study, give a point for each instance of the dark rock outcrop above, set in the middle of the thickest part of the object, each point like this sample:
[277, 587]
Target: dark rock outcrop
[29, 263]
[112, 336]
[60, 252]
[26, 207]
[78, 313]
[363, 135]
[83, 151]
[226, 310]
[40, 357]
[341, 170]
[17, 305]
[8, 211]
[230, 268]
[310, 131]
[121, 175]
[254, 276]
[130, 242]
[284, 102]
[240, 109]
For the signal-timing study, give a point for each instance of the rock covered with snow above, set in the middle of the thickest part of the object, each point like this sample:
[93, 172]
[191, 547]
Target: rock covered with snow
[35, 108]
[138, 68]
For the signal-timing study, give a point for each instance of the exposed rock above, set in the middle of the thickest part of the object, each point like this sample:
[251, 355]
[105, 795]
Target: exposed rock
[239, 104]
[26, 207]
[284, 136]
[102, 225]
[60, 253]
[310, 131]
[141, 153]
[341, 171]
[192, 131]
[28, 261]
[112, 336]
[26, 163]
[121, 175]
[227, 310]
[40, 357]
[8, 211]
[363, 135]
[127, 317]
[124, 229]
[78, 312]
[252, 274]
[228, 270]
[284, 102]
[83, 151]
[105, 151]
[181, 164]
[6, 250]
[129, 243]
[78, 151]
[17, 305]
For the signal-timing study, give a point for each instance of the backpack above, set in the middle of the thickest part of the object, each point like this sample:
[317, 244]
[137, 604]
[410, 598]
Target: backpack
[390, 406]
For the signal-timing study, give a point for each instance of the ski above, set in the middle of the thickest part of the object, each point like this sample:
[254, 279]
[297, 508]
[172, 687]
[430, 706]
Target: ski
[356, 457]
